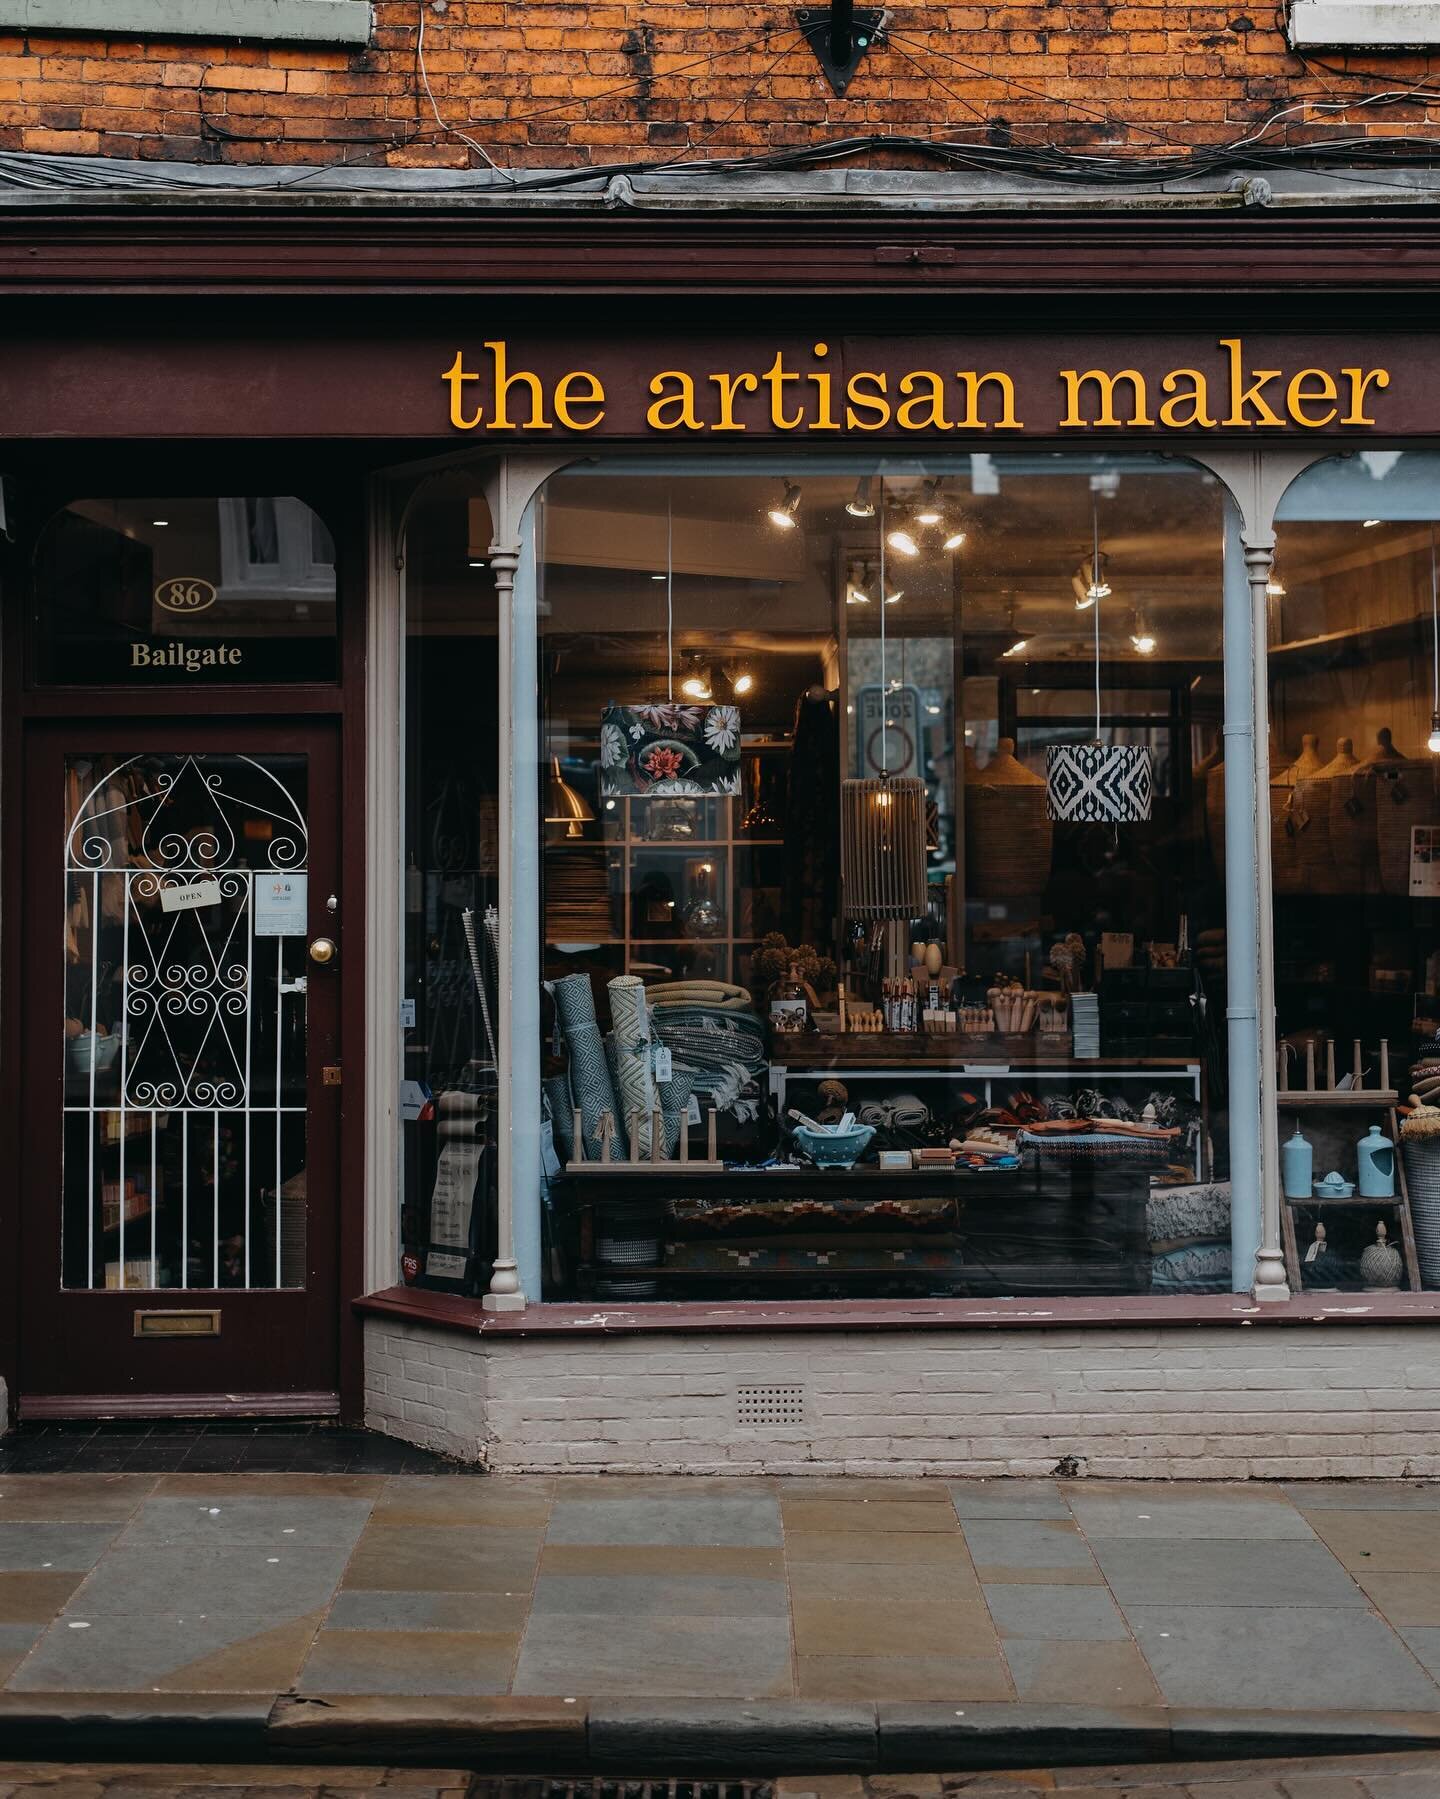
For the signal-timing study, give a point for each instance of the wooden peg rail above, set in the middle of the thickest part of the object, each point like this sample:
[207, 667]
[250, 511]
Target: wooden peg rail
[659, 1163]
[1327, 1091]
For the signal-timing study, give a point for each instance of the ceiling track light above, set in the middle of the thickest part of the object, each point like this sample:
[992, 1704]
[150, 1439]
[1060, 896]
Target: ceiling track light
[860, 505]
[928, 510]
[902, 541]
[783, 516]
[740, 677]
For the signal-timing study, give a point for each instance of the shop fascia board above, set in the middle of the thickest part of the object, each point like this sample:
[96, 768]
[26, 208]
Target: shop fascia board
[252, 21]
[1376, 24]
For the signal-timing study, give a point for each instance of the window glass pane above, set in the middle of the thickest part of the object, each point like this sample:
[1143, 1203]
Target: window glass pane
[1355, 817]
[160, 592]
[449, 1014]
[768, 701]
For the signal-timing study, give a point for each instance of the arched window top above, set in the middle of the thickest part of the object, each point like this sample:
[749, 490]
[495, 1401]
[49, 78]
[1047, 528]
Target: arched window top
[215, 591]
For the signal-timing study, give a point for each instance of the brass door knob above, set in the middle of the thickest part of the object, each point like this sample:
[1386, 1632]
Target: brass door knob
[322, 950]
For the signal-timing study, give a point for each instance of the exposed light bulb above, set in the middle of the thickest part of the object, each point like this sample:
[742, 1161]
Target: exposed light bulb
[903, 542]
[1016, 649]
[160, 521]
[892, 598]
[657, 577]
[927, 515]
[477, 564]
[953, 541]
[1144, 643]
[1275, 588]
[1086, 600]
[1432, 742]
[1097, 590]
[696, 687]
[743, 683]
[1369, 524]
[934, 711]
[856, 596]
[860, 505]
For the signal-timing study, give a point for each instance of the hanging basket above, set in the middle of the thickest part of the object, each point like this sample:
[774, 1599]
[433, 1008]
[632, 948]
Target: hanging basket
[1311, 821]
[1422, 1177]
[1008, 835]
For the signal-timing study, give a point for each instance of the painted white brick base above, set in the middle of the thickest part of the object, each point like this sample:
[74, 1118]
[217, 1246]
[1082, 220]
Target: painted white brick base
[1296, 1402]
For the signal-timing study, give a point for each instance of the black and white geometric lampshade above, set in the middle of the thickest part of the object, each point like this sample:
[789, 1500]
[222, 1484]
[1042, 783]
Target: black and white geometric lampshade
[1099, 783]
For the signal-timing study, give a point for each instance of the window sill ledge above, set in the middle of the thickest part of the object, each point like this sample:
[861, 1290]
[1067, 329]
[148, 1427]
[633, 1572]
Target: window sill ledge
[256, 21]
[451, 1312]
[1371, 24]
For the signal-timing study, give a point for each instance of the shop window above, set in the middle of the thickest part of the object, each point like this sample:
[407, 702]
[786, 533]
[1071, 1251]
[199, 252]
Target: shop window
[449, 1010]
[801, 862]
[1379, 24]
[1354, 690]
[162, 592]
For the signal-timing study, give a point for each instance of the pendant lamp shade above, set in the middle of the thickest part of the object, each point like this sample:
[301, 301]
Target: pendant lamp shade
[564, 807]
[882, 847]
[1098, 783]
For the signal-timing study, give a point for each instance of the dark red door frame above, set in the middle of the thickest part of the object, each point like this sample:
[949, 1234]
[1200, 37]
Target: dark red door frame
[80, 470]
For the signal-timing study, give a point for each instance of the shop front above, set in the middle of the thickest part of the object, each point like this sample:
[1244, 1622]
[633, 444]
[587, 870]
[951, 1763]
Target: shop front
[731, 901]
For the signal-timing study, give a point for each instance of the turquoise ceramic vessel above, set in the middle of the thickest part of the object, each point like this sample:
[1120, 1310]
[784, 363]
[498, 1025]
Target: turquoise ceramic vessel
[1375, 1156]
[835, 1151]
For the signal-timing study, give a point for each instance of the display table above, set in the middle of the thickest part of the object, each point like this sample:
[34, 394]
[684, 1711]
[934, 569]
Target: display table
[1044, 1228]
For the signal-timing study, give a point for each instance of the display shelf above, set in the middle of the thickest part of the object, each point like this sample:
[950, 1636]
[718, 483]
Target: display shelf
[1383, 1098]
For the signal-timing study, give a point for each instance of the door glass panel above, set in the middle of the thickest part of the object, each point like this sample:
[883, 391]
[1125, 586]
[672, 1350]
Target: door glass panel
[184, 1051]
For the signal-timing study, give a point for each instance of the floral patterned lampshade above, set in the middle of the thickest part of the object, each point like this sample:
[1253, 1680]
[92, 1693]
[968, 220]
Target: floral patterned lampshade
[669, 748]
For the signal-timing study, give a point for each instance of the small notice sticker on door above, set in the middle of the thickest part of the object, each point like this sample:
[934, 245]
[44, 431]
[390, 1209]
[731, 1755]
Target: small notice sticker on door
[190, 897]
[280, 905]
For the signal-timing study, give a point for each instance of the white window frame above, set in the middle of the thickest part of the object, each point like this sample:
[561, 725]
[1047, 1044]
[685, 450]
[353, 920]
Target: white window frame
[253, 21]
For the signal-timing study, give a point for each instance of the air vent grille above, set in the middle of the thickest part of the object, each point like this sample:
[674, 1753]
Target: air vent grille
[767, 1406]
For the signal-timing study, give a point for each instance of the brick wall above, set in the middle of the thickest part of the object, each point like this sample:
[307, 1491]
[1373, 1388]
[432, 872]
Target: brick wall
[555, 83]
[1268, 1402]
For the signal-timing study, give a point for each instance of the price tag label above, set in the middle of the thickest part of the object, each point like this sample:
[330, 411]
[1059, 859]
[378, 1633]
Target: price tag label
[663, 1063]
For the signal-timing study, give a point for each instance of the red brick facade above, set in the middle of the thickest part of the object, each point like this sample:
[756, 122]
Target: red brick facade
[552, 84]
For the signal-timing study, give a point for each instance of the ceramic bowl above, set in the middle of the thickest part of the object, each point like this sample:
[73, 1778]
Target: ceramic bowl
[835, 1151]
[1332, 1189]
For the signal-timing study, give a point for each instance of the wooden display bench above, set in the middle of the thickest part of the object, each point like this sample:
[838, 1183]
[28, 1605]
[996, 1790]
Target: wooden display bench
[1382, 1099]
[1043, 1229]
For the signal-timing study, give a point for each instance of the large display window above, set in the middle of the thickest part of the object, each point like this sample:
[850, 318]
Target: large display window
[882, 908]
[1354, 791]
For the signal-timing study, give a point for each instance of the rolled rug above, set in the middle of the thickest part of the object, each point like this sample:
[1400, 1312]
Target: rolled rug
[674, 1106]
[574, 1001]
[562, 1106]
[590, 1086]
[632, 1053]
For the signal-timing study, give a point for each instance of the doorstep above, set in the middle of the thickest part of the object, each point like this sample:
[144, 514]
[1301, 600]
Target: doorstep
[467, 1317]
[673, 1737]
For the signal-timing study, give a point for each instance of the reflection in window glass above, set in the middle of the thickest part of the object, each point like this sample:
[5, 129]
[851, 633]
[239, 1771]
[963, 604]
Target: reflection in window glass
[449, 1018]
[1355, 816]
[763, 698]
[155, 592]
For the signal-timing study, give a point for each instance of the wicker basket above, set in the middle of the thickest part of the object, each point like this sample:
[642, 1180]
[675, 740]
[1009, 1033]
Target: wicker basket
[1422, 1176]
[1007, 835]
[1407, 793]
[1283, 855]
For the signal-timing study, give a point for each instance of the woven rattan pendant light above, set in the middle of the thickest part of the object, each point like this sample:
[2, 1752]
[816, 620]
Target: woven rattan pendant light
[1098, 783]
[882, 822]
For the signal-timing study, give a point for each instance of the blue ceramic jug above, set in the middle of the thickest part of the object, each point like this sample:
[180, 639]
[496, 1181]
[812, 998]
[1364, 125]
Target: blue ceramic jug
[1297, 1164]
[1375, 1154]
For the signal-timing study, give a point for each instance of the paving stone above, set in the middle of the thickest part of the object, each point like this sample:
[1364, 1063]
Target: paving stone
[421, 1662]
[16, 1642]
[859, 1486]
[836, 1547]
[1086, 1614]
[950, 1677]
[1363, 1495]
[228, 1523]
[1424, 1644]
[38, 1546]
[488, 1612]
[223, 1651]
[748, 1522]
[233, 1484]
[1321, 1786]
[35, 1598]
[1382, 1542]
[1306, 1657]
[1007, 1499]
[70, 1498]
[261, 1581]
[661, 1559]
[1420, 1783]
[1403, 1598]
[1007, 1549]
[1074, 1673]
[415, 1559]
[918, 1583]
[506, 1504]
[692, 1596]
[837, 1627]
[618, 1656]
[1237, 1573]
[1144, 1513]
[887, 1516]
